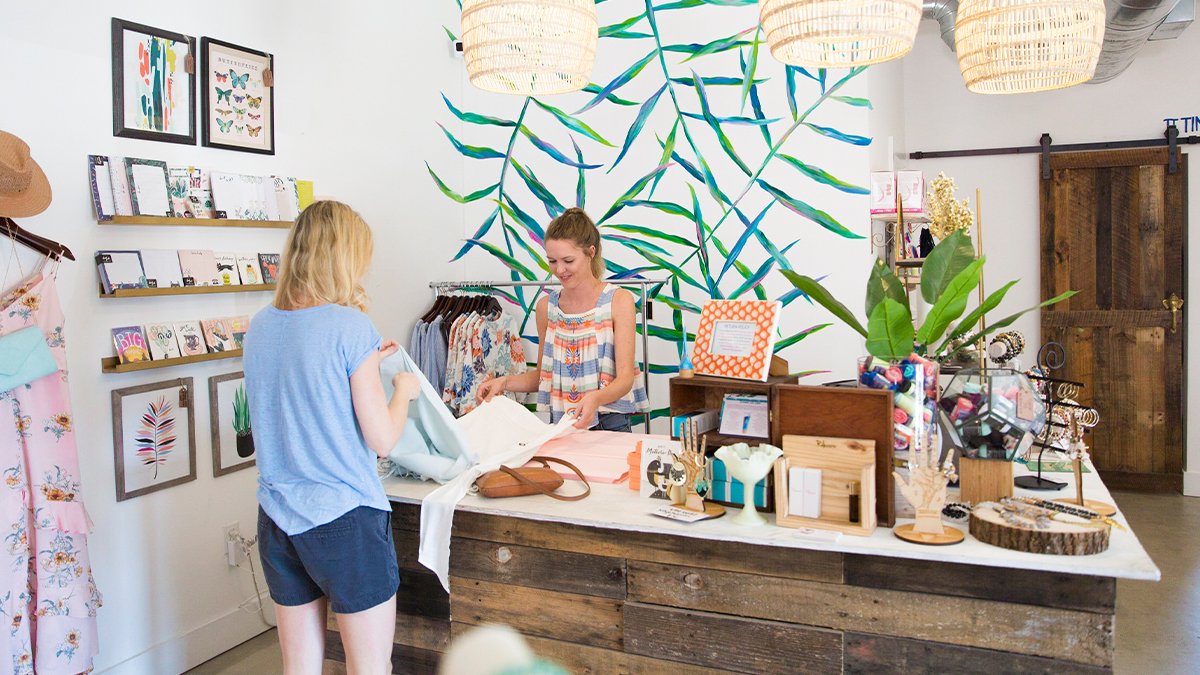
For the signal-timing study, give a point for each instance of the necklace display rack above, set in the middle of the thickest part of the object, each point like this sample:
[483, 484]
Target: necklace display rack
[1055, 392]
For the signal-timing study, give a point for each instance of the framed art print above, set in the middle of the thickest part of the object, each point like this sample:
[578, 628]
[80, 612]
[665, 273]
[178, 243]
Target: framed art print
[232, 440]
[238, 105]
[154, 437]
[154, 83]
[736, 338]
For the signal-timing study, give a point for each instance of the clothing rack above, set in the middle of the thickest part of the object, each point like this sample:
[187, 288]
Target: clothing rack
[438, 287]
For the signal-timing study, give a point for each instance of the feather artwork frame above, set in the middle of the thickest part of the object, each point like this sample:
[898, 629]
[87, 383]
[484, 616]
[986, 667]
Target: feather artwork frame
[154, 437]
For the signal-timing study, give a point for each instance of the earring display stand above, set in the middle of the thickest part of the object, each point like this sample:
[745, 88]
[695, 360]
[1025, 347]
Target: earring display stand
[1051, 357]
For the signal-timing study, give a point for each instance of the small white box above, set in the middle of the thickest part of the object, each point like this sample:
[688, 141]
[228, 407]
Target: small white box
[804, 492]
[883, 192]
[910, 185]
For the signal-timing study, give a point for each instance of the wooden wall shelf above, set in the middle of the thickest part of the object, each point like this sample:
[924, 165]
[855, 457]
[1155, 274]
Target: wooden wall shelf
[185, 290]
[194, 222]
[111, 364]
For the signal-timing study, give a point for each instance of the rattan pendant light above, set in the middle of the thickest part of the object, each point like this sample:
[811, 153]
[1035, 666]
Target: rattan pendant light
[839, 33]
[529, 47]
[1021, 46]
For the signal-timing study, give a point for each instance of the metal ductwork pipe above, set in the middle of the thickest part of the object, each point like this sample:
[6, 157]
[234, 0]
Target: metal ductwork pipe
[944, 12]
[1128, 26]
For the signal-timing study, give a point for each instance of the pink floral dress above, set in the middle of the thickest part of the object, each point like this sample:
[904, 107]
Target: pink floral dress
[48, 599]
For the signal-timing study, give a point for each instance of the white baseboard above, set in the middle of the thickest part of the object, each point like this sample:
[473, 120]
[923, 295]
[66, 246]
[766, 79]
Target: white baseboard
[1191, 483]
[189, 650]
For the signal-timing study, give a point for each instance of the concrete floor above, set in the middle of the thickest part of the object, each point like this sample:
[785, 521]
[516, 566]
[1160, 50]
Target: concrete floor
[1158, 624]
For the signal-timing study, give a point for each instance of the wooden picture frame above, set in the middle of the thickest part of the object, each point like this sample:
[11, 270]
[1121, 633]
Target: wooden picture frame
[147, 432]
[227, 440]
[736, 338]
[237, 110]
[151, 106]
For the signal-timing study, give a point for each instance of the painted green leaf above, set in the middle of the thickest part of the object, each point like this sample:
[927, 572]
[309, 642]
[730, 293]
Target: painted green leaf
[813, 289]
[554, 152]
[755, 279]
[611, 29]
[968, 322]
[854, 101]
[836, 135]
[1008, 321]
[944, 262]
[474, 196]
[951, 304]
[479, 234]
[726, 145]
[743, 121]
[619, 81]
[527, 221]
[668, 334]
[666, 207]
[793, 339]
[581, 181]
[668, 147]
[638, 123]
[533, 253]
[790, 74]
[632, 192]
[450, 35]
[714, 81]
[573, 123]
[509, 261]
[472, 151]
[611, 98]
[475, 118]
[702, 248]
[636, 243]
[822, 176]
[553, 206]
[676, 303]
[890, 331]
[724, 44]
[816, 215]
[650, 232]
[751, 66]
[749, 232]
[883, 283]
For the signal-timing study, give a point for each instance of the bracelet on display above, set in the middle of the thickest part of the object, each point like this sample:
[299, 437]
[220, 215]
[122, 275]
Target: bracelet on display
[956, 511]
[1006, 346]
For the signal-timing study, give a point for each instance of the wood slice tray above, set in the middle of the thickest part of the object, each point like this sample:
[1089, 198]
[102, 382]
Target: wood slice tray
[1061, 538]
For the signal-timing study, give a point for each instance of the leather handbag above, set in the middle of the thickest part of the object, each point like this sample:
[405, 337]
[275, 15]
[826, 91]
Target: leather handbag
[24, 357]
[530, 480]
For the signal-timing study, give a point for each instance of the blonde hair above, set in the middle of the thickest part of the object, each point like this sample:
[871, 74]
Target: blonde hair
[575, 226]
[325, 257]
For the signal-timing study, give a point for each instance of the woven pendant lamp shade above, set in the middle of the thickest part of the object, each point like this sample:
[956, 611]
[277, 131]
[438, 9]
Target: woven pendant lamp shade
[529, 47]
[1022, 46]
[839, 33]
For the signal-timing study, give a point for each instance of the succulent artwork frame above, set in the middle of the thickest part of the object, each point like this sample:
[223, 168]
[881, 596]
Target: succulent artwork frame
[229, 420]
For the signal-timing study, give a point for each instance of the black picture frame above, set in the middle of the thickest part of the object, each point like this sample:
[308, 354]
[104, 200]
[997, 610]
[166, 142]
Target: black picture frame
[121, 125]
[220, 56]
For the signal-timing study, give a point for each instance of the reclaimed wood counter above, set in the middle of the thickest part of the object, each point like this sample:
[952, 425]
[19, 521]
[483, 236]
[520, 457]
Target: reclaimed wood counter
[600, 586]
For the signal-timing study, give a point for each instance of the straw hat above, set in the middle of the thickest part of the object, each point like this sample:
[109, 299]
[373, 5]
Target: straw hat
[24, 190]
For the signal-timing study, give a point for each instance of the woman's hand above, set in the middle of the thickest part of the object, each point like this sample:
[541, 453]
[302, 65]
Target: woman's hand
[585, 412]
[388, 348]
[408, 385]
[490, 388]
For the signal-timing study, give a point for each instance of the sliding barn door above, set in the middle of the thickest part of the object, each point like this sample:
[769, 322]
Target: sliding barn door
[1114, 228]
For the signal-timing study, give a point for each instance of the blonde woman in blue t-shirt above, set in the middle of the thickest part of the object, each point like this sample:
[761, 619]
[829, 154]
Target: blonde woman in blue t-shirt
[320, 419]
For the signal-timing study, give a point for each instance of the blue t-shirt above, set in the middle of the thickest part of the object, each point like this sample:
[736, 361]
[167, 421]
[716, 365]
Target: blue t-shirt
[313, 462]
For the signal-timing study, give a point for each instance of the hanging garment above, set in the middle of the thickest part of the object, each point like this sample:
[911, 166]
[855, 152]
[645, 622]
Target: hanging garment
[432, 445]
[48, 598]
[480, 348]
[500, 431]
[579, 355]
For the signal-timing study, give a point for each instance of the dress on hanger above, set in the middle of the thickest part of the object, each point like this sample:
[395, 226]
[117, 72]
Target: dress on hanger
[48, 598]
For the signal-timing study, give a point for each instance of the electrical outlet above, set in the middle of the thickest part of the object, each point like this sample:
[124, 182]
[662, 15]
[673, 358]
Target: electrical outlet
[232, 541]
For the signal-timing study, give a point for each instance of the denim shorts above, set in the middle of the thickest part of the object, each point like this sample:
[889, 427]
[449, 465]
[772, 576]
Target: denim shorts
[350, 560]
[613, 422]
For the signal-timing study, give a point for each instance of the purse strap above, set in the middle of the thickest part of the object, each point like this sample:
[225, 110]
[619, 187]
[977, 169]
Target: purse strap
[587, 489]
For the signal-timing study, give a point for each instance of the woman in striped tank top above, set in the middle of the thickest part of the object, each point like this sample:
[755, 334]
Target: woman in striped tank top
[586, 336]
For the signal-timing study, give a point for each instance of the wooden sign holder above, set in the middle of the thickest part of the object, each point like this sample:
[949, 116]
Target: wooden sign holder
[841, 461]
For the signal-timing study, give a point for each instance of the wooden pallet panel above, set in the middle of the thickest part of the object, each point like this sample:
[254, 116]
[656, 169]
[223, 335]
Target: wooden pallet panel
[1084, 637]
[601, 576]
[882, 654]
[562, 616]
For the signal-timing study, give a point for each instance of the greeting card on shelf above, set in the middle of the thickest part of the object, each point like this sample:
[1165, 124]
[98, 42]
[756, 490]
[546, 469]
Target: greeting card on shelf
[101, 184]
[199, 268]
[148, 185]
[190, 338]
[269, 265]
[178, 178]
[200, 200]
[238, 325]
[247, 267]
[736, 338]
[162, 341]
[242, 197]
[130, 344]
[658, 467]
[287, 198]
[120, 269]
[218, 334]
[122, 199]
[162, 268]
[227, 273]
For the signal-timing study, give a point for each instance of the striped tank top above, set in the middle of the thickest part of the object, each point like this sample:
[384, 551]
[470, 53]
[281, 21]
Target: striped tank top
[579, 356]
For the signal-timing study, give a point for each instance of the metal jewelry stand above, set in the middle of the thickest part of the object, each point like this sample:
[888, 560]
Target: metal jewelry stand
[645, 314]
[1050, 357]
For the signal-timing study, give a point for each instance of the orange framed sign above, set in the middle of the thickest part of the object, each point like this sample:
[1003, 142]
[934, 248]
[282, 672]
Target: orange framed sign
[736, 338]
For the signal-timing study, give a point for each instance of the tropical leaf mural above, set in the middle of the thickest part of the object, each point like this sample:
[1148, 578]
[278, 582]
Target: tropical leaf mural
[710, 133]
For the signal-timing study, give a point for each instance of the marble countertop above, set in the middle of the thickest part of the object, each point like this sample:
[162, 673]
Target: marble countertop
[619, 508]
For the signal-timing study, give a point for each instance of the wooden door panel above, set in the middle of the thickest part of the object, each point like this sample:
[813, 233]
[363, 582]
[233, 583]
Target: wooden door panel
[1113, 228]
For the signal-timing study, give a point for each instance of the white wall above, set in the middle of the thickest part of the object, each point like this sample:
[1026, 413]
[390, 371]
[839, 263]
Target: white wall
[940, 114]
[353, 114]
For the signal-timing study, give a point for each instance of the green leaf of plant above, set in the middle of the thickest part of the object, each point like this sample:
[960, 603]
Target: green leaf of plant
[633, 191]
[523, 242]
[854, 101]
[651, 232]
[751, 66]
[722, 139]
[573, 123]
[883, 283]
[1008, 321]
[668, 147]
[611, 29]
[619, 81]
[951, 304]
[461, 199]
[830, 132]
[527, 221]
[553, 206]
[472, 151]
[581, 181]
[944, 262]
[638, 123]
[475, 118]
[816, 215]
[554, 152]
[479, 234]
[822, 176]
[972, 317]
[611, 98]
[890, 331]
[813, 289]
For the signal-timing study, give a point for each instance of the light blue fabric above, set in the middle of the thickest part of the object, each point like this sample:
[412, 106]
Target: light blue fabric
[433, 445]
[435, 346]
[24, 357]
[313, 462]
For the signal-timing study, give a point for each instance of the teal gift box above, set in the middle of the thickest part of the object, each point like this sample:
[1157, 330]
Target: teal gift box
[726, 490]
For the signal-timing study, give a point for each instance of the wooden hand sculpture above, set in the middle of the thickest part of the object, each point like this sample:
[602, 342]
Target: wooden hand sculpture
[926, 487]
